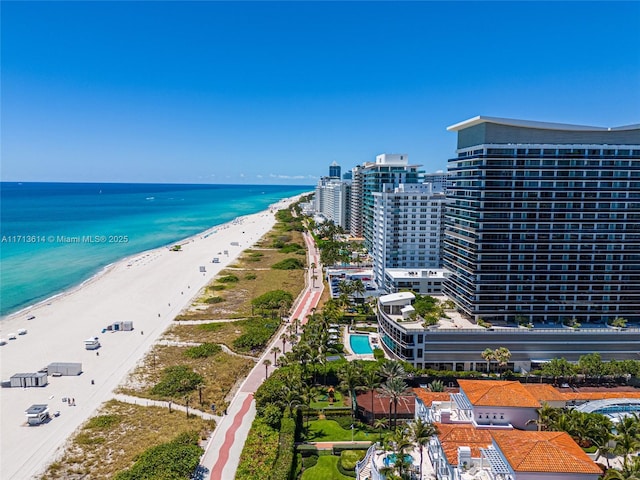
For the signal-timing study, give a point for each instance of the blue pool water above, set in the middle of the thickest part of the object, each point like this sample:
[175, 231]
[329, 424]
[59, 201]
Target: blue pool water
[360, 344]
[391, 459]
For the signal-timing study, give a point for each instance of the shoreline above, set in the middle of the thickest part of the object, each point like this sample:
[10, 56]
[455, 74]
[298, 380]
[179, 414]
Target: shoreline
[106, 268]
[149, 288]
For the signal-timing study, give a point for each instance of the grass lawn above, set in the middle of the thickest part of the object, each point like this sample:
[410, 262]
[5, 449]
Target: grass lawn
[320, 403]
[109, 442]
[325, 469]
[331, 431]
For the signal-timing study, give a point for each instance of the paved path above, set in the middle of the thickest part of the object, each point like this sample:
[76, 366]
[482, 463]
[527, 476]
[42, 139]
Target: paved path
[222, 455]
[147, 402]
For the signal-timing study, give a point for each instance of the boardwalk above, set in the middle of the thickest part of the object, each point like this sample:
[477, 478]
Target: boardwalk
[222, 455]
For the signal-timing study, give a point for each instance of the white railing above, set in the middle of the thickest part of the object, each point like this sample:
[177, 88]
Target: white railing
[362, 464]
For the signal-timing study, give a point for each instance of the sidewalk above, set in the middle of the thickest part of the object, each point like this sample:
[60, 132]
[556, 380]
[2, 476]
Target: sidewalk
[222, 455]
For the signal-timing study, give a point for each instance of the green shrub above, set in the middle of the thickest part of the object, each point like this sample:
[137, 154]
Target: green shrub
[349, 458]
[288, 264]
[250, 276]
[309, 461]
[272, 416]
[272, 301]
[175, 460]
[291, 248]
[203, 351]
[257, 334]
[259, 452]
[216, 288]
[177, 380]
[284, 467]
[103, 422]
[378, 353]
[212, 300]
[229, 279]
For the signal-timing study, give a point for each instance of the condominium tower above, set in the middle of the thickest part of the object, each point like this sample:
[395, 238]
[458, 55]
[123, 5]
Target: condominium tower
[408, 226]
[545, 221]
[388, 169]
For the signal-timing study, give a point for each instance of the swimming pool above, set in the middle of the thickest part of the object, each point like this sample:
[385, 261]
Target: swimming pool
[360, 344]
[391, 459]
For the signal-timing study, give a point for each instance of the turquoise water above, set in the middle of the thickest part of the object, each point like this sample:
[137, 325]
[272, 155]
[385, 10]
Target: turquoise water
[56, 235]
[360, 344]
[391, 459]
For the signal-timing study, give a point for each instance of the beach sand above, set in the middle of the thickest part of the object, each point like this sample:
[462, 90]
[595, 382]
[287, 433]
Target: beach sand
[149, 289]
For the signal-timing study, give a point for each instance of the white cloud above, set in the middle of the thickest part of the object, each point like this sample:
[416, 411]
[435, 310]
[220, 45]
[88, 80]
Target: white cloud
[259, 176]
[287, 177]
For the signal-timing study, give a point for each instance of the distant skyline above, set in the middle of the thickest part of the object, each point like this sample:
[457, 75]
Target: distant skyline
[274, 92]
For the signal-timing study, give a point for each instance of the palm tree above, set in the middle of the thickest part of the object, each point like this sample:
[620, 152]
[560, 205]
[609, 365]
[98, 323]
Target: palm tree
[283, 337]
[628, 438]
[350, 379]
[372, 381]
[275, 351]
[380, 423]
[394, 388]
[547, 416]
[391, 369]
[488, 355]
[502, 355]
[267, 364]
[420, 433]
[308, 395]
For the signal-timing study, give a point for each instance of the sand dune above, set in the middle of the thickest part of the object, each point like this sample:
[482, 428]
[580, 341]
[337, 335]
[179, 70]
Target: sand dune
[149, 289]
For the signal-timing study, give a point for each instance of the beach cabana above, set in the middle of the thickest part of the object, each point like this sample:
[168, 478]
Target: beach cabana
[38, 379]
[65, 368]
[37, 414]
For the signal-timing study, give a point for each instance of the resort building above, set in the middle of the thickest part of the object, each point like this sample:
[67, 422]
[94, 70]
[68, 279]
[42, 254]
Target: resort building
[371, 177]
[545, 222]
[457, 344]
[408, 227]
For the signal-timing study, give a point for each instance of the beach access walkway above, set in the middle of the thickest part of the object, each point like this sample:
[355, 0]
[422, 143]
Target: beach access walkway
[222, 455]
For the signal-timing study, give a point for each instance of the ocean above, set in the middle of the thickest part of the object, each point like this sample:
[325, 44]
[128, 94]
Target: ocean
[54, 236]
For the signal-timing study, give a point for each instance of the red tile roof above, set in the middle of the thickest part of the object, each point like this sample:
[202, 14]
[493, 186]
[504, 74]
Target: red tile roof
[452, 436]
[544, 392]
[428, 397]
[556, 452]
[498, 393]
[406, 403]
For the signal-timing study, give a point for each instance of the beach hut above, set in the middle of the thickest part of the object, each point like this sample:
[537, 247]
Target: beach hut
[37, 414]
[92, 343]
[127, 326]
[38, 379]
[65, 368]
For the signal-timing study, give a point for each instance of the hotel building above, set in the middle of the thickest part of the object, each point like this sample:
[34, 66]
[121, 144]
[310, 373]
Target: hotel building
[545, 221]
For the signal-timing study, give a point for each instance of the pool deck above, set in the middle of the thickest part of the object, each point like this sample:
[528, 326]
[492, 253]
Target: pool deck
[347, 345]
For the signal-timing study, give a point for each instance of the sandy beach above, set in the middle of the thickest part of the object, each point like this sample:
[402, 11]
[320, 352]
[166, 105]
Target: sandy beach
[149, 289]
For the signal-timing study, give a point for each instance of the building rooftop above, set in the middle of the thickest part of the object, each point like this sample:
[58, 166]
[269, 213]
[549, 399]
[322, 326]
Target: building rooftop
[36, 409]
[428, 397]
[396, 273]
[533, 124]
[553, 452]
[406, 403]
[396, 297]
[544, 392]
[499, 393]
[452, 436]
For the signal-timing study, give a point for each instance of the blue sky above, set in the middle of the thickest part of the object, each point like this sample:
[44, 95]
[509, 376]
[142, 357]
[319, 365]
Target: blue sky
[267, 92]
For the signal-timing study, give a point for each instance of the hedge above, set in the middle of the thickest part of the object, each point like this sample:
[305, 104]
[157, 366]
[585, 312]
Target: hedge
[259, 452]
[284, 467]
[348, 460]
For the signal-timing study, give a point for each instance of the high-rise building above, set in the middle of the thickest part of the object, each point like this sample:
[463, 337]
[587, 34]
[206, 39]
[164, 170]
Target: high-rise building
[408, 226]
[332, 200]
[357, 188]
[439, 180]
[334, 170]
[545, 221]
[388, 169]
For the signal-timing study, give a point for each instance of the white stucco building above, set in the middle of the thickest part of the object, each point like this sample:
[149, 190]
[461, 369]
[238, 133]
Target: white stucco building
[408, 228]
